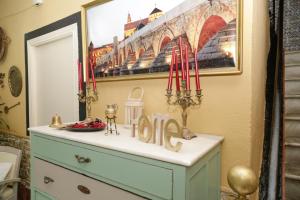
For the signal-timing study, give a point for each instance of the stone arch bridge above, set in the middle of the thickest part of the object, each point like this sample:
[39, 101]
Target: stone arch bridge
[196, 21]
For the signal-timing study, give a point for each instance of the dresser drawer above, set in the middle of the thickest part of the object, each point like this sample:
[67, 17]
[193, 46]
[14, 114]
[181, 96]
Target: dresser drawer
[37, 195]
[64, 184]
[150, 179]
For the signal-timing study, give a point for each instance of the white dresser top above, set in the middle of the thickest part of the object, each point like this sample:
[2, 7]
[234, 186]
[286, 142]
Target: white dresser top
[191, 151]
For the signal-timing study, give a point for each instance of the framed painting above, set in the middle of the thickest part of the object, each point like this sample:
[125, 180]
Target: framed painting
[130, 40]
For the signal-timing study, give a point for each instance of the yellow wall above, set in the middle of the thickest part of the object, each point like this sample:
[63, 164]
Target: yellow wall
[259, 61]
[232, 106]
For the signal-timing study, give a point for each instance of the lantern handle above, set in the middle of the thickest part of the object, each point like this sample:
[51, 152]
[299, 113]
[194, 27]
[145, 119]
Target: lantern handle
[133, 90]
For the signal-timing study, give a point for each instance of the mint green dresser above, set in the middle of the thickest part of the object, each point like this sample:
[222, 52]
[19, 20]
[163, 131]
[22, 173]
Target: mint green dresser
[92, 166]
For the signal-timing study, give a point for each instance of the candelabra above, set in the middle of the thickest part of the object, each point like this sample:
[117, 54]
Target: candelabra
[185, 100]
[88, 98]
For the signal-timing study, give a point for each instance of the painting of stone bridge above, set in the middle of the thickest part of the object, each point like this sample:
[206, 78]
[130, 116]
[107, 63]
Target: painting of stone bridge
[206, 26]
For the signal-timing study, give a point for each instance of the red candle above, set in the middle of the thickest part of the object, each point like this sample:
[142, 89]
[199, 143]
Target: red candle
[181, 58]
[94, 60]
[197, 80]
[93, 76]
[170, 81]
[80, 75]
[188, 85]
[78, 66]
[177, 74]
[87, 71]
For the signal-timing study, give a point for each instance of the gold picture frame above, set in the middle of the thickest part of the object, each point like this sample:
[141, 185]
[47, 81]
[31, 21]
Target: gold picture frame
[236, 70]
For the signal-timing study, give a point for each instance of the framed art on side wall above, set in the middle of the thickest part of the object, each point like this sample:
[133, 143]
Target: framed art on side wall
[130, 40]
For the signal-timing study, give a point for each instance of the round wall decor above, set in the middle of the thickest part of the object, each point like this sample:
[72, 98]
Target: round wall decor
[15, 81]
[3, 43]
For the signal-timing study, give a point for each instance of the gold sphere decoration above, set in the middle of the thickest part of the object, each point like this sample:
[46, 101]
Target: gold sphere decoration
[242, 180]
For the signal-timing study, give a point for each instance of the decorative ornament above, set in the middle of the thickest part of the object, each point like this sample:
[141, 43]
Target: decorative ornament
[144, 123]
[147, 131]
[110, 114]
[184, 97]
[6, 108]
[158, 131]
[15, 81]
[2, 76]
[134, 106]
[4, 40]
[56, 122]
[133, 130]
[168, 134]
[242, 180]
[89, 95]
[3, 124]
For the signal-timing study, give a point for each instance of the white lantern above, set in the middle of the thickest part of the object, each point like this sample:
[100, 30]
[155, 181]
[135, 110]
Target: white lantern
[134, 106]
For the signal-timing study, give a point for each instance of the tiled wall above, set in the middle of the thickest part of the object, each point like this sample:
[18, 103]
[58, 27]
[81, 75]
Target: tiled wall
[23, 144]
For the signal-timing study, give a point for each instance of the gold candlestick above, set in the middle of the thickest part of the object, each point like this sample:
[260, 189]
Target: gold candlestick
[91, 96]
[185, 100]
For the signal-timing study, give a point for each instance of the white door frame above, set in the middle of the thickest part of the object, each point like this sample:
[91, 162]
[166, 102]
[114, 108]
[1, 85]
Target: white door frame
[68, 31]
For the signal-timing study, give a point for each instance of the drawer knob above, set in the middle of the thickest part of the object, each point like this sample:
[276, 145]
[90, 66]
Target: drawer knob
[83, 189]
[48, 180]
[81, 159]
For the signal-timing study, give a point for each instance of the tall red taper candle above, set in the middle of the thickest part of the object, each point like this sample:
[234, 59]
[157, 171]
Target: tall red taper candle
[181, 58]
[177, 74]
[78, 66]
[80, 76]
[170, 81]
[87, 71]
[188, 85]
[93, 75]
[197, 80]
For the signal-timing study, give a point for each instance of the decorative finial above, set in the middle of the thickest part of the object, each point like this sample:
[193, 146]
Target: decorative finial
[91, 45]
[128, 18]
[242, 180]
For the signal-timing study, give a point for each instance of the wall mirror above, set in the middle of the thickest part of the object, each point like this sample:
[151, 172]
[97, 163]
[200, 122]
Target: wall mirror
[131, 40]
[15, 81]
